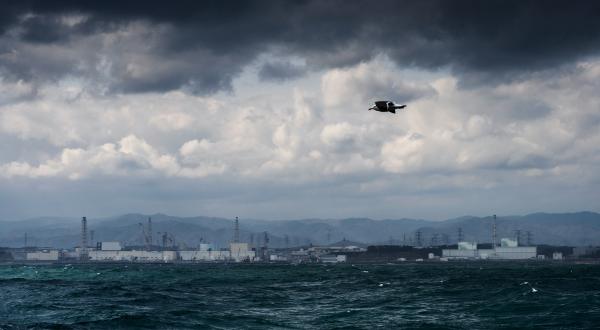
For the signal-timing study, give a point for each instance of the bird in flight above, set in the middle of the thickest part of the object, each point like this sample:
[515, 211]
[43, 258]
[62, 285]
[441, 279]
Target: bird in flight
[386, 106]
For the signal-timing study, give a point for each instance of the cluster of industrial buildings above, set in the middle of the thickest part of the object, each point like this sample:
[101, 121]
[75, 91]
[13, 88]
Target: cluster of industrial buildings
[508, 250]
[237, 252]
[112, 251]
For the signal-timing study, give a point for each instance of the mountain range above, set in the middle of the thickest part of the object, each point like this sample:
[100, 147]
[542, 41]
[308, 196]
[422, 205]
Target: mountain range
[573, 229]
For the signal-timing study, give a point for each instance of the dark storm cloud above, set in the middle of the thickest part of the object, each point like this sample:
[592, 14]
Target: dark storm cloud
[205, 44]
[280, 71]
[44, 29]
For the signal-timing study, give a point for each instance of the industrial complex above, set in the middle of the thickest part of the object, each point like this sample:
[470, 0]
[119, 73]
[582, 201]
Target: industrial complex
[509, 249]
[242, 252]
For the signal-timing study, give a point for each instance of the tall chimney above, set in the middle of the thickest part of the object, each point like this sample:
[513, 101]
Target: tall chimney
[83, 253]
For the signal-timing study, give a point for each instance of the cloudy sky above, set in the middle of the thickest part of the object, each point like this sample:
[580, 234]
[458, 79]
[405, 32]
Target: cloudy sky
[259, 109]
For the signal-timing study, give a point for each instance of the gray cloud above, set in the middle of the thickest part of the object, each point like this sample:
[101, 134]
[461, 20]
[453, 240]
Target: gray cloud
[79, 133]
[204, 45]
[279, 71]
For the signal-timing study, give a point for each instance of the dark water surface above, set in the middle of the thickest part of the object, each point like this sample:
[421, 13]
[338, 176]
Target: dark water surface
[421, 296]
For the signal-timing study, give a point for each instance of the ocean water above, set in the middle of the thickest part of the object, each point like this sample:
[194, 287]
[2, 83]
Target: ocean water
[477, 295]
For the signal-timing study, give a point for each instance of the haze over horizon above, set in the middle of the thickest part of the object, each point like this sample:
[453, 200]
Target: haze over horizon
[101, 217]
[566, 229]
[259, 109]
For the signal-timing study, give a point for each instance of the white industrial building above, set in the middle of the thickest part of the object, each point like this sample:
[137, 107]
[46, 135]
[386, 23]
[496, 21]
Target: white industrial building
[508, 250]
[465, 250]
[238, 252]
[110, 246]
[198, 255]
[112, 251]
[332, 258]
[515, 253]
[133, 256]
[205, 247]
[44, 255]
[277, 258]
[205, 252]
[241, 252]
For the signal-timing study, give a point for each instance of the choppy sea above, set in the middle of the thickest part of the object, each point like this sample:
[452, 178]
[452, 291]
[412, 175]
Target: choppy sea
[480, 295]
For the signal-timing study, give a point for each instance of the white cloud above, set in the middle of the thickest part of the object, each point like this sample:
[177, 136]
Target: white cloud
[403, 154]
[194, 147]
[130, 156]
[340, 135]
[171, 121]
[15, 91]
[451, 139]
[355, 163]
[367, 82]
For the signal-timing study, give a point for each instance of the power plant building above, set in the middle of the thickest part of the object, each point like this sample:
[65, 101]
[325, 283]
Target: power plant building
[465, 250]
[203, 256]
[508, 250]
[139, 256]
[45, 255]
[241, 252]
[238, 252]
[110, 246]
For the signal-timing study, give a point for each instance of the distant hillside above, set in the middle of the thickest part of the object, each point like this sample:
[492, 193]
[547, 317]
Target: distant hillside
[575, 229]
[582, 228]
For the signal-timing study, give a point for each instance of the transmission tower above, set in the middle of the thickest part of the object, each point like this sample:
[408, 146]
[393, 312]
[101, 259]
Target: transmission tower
[529, 236]
[265, 246]
[494, 233]
[445, 239]
[461, 238]
[434, 239]
[236, 232]
[418, 237]
[150, 231]
[518, 236]
[145, 238]
[164, 238]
